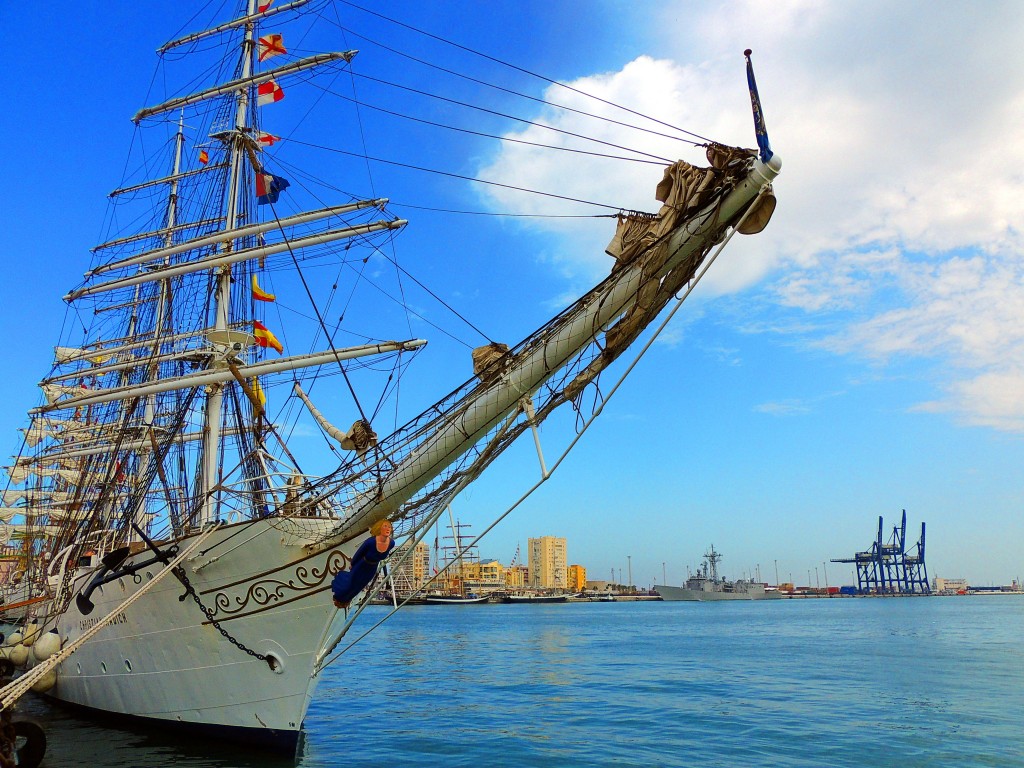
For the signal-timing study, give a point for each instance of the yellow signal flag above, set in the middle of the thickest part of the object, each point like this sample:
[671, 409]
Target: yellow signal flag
[257, 390]
[259, 294]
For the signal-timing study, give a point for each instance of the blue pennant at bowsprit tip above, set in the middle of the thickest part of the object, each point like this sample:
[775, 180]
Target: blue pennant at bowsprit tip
[269, 188]
[755, 103]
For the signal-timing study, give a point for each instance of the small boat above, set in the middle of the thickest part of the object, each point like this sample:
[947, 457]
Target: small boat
[535, 598]
[456, 599]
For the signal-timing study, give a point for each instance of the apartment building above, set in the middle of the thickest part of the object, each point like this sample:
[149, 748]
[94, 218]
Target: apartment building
[411, 573]
[548, 563]
[576, 578]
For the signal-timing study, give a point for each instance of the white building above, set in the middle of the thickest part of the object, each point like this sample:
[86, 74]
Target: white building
[949, 586]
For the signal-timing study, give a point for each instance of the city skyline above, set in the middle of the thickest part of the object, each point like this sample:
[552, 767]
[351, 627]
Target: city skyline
[863, 355]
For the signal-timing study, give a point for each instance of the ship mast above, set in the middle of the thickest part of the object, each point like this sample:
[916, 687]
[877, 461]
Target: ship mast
[712, 558]
[149, 413]
[222, 297]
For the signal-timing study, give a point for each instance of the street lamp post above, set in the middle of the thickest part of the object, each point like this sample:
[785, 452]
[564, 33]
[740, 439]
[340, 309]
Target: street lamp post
[629, 570]
[776, 573]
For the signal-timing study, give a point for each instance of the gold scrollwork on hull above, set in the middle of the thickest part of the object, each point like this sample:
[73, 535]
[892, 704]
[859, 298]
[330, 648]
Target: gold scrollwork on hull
[273, 589]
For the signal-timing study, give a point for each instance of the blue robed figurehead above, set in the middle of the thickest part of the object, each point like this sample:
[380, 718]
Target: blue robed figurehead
[371, 553]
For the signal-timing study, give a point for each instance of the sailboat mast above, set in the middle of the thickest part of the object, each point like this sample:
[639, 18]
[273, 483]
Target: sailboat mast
[457, 536]
[222, 296]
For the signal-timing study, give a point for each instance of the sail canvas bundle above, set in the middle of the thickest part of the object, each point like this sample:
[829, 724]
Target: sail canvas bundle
[487, 360]
[683, 189]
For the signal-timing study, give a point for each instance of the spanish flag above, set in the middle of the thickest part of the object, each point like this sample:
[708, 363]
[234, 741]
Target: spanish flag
[264, 337]
[259, 294]
[204, 156]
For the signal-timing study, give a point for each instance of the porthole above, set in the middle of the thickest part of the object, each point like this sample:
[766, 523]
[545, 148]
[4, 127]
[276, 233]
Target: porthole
[79, 668]
[103, 668]
[127, 665]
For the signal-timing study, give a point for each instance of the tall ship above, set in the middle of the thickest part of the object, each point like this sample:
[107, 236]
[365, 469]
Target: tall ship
[707, 586]
[175, 533]
[450, 563]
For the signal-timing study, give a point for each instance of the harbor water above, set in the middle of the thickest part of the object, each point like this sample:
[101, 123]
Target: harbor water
[844, 682]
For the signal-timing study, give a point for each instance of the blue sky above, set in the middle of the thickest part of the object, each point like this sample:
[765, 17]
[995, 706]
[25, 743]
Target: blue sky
[863, 355]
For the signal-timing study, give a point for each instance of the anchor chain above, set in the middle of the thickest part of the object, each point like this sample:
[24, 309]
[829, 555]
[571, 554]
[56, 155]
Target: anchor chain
[179, 572]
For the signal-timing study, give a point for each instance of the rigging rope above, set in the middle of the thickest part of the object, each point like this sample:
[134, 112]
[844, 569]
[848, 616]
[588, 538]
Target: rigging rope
[316, 309]
[521, 69]
[572, 444]
[656, 159]
[459, 176]
[511, 92]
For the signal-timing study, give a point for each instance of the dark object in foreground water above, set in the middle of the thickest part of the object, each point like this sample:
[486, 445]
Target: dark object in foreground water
[22, 742]
[30, 743]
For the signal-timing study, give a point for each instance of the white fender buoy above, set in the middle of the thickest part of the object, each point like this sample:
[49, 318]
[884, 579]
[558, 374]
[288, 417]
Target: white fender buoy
[46, 682]
[46, 646]
[31, 633]
[18, 655]
[14, 638]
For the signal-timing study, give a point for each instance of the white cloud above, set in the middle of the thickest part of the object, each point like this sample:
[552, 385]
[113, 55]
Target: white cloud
[785, 408]
[989, 400]
[901, 189]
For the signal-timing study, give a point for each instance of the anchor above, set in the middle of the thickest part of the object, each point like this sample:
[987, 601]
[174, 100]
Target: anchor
[112, 571]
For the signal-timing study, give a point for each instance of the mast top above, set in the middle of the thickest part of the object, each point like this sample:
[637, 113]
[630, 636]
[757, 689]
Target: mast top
[243, 82]
[234, 23]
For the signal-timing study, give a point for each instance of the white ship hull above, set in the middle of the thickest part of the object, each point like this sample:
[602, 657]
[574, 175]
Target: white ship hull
[162, 660]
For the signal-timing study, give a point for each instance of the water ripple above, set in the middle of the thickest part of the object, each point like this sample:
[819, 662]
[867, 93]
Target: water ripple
[923, 682]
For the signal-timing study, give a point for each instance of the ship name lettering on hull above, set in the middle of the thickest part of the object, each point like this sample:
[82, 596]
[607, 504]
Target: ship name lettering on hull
[85, 624]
